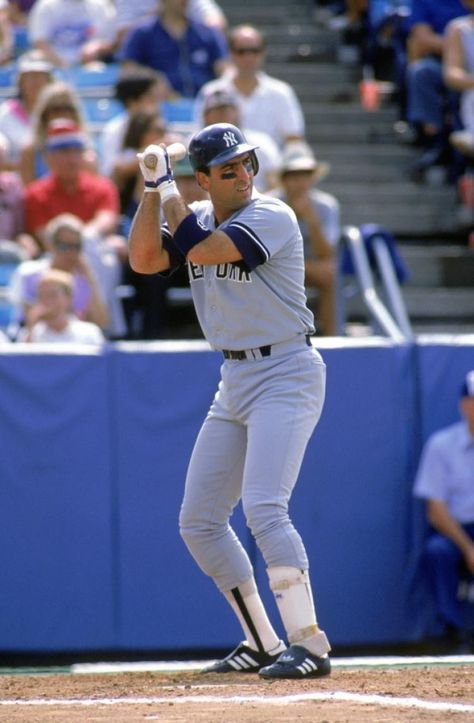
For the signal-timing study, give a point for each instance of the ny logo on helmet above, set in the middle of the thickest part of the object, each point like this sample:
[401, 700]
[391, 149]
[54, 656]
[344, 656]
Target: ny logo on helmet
[230, 139]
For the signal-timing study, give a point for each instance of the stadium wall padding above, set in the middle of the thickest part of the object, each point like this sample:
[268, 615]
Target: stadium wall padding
[93, 454]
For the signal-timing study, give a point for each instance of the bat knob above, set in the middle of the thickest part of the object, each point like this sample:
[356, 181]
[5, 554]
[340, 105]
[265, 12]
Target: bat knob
[150, 161]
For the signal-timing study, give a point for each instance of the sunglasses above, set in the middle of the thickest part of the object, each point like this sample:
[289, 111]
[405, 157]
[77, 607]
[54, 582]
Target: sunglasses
[247, 51]
[64, 246]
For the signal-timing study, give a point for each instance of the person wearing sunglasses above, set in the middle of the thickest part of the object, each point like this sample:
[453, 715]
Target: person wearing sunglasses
[65, 243]
[266, 104]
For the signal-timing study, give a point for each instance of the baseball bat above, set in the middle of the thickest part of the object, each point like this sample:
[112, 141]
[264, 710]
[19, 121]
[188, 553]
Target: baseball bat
[176, 152]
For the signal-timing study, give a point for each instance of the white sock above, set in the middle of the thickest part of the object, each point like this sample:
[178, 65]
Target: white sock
[294, 599]
[247, 605]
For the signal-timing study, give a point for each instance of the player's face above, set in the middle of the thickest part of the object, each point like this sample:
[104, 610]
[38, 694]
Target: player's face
[231, 184]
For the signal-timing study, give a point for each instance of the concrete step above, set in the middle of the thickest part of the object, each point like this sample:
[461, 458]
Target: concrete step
[397, 219]
[313, 73]
[440, 303]
[412, 195]
[422, 304]
[398, 222]
[363, 170]
[438, 265]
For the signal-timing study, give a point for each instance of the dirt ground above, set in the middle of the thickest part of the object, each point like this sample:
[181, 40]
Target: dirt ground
[396, 695]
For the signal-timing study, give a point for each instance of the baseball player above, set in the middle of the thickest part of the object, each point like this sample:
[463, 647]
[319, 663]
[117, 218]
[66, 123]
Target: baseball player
[245, 259]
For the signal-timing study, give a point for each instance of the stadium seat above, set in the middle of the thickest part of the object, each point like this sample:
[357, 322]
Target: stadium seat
[100, 110]
[97, 79]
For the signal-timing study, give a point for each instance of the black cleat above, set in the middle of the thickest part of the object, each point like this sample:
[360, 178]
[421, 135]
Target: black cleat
[242, 660]
[297, 662]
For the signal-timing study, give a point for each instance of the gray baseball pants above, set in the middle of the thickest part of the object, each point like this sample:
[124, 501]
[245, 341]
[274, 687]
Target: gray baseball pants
[251, 447]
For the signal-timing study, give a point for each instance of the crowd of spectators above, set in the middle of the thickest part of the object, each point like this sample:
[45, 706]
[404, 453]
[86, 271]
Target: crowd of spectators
[72, 189]
[53, 162]
[425, 48]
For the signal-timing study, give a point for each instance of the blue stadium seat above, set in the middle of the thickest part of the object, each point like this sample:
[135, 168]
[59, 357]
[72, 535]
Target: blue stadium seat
[100, 110]
[90, 79]
[7, 75]
[181, 110]
[10, 256]
[21, 40]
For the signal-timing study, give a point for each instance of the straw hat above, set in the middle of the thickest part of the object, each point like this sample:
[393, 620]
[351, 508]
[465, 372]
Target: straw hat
[298, 156]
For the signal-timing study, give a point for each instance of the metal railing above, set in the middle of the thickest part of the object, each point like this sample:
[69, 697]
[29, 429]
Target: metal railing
[390, 318]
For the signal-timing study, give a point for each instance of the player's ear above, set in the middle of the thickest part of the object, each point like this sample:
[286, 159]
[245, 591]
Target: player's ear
[203, 180]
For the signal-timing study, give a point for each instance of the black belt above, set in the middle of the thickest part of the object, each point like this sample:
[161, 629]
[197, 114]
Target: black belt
[257, 353]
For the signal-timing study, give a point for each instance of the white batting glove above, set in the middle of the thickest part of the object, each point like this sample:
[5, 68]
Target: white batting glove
[159, 177]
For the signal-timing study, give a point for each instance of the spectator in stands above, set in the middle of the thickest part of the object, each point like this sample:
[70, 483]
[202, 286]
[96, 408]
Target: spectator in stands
[221, 106]
[130, 14]
[68, 188]
[266, 104]
[34, 71]
[146, 310]
[6, 34]
[73, 32]
[188, 187]
[64, 241]
[19, 11]
[188, 53]
[458, 70]
[144, 127]
[12, 219]
[138, 89]
[50, 319]
[430, 108]
[318, 215]
[57, 100]
[445, 480]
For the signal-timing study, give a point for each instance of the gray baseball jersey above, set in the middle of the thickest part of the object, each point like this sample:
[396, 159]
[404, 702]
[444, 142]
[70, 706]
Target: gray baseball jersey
[260, 300]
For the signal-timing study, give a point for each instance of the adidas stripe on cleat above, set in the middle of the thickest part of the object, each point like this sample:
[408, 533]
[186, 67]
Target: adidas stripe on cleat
[297, 662]
[242, 660]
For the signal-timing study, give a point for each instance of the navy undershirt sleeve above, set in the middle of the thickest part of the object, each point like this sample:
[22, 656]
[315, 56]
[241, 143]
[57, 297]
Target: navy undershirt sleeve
[250, 246]
[176, 257]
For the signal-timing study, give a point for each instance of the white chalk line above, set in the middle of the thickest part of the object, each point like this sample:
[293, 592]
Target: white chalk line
[193, 665]
[338, 696]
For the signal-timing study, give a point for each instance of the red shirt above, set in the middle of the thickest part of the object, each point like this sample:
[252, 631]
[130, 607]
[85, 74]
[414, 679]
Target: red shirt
[46, 198]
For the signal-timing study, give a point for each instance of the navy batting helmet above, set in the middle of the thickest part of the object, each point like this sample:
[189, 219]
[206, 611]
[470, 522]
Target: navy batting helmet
[219, 143]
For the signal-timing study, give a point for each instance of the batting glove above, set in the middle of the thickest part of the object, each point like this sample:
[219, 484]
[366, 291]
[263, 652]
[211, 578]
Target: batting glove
[159, 178]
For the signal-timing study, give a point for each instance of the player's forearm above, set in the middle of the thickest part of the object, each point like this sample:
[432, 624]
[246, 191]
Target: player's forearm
[175, 211]
[146, 253]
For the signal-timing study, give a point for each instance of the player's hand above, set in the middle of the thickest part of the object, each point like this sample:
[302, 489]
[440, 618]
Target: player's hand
[155, 167]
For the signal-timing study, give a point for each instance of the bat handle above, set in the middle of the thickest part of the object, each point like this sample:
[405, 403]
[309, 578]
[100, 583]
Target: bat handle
[176, 152]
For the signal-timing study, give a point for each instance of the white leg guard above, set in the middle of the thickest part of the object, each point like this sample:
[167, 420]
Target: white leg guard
[294, 599]
[247, 605]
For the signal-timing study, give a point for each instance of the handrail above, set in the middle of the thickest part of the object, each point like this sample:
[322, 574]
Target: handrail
[400, 331]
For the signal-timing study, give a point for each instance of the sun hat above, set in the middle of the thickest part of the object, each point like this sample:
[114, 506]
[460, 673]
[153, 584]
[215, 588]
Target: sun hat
[298, 156]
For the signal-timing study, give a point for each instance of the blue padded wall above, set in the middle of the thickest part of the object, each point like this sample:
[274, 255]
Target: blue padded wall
[55, 497]
[93, 455]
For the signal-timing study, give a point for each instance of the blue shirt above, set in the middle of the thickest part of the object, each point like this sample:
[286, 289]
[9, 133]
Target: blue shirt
[446, 471]
[436, 13]
[188, 62]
